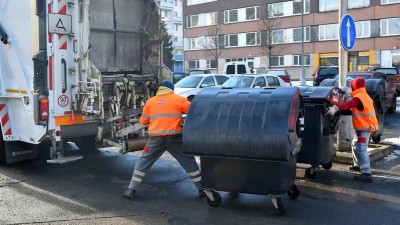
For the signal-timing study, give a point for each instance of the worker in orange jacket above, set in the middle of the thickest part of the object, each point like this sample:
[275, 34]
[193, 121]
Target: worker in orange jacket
[364, 122]
[163, 115]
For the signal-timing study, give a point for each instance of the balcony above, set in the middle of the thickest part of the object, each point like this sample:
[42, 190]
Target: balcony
[178, 57]
[178, 44]
[166, 4]
[178, 69]
[178, 19]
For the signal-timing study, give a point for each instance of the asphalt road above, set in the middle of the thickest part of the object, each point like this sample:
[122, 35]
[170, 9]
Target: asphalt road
[89, 191]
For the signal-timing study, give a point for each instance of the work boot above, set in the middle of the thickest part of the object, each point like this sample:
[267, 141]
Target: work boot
[129, 193]
[201, 193]
[367, 177]
[354, 168]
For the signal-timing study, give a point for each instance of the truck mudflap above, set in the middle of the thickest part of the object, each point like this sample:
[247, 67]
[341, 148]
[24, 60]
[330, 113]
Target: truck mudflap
[17, 151]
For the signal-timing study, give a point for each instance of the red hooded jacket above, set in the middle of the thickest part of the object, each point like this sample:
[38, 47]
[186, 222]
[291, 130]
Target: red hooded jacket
[355, 102]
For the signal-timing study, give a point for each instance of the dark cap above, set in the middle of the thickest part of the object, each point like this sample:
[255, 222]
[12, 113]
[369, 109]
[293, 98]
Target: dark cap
[168, 84]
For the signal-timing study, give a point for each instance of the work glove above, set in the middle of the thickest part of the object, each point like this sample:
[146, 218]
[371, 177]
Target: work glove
[332, 110]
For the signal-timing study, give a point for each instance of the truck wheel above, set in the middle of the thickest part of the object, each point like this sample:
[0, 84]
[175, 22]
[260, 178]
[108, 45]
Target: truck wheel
[393, 106]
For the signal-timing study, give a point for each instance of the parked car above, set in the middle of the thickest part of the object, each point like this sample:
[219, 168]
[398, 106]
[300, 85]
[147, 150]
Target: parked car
[198, 71]
[393, 75]
[324, 72]
[239, 67]
[391, 95]
[282, 73]
[189, 86]
[253, 81]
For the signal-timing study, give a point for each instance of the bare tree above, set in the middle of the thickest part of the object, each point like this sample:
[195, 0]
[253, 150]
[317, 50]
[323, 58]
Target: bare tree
[272, 43]
[212, 48]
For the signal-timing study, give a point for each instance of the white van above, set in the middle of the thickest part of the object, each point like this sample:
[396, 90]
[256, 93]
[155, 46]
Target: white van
[236, 68]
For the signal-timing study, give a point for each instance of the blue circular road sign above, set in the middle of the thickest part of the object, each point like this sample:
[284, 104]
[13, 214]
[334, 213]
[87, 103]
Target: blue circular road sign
[347, 32]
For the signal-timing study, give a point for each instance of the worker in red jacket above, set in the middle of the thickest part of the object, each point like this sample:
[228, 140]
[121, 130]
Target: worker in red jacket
[364, 122]
[163, 115]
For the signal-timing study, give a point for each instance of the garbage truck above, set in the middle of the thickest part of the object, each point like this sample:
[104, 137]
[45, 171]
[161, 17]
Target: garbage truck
[75, 70]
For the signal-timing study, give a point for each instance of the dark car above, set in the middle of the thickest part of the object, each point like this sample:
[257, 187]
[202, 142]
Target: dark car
[390, 98]
[324, 72]
[393, 74]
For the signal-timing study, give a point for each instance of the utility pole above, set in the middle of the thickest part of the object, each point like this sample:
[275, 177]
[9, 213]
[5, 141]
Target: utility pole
[342, 51]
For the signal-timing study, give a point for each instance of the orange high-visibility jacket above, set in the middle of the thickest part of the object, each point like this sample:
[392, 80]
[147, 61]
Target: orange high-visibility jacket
[163, 114]
[364, 120]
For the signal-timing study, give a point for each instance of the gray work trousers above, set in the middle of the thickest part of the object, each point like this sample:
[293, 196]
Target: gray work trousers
[153, 150]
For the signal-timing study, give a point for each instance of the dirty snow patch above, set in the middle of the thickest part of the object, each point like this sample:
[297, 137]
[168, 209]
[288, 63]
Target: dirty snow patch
[391, 157]
[391, 141]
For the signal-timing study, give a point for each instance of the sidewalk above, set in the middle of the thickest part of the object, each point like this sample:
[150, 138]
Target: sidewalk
[375, 152]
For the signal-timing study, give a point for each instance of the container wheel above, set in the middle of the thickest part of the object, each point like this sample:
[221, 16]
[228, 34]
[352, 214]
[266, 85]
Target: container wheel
[393, 106]
[293, 192]
[278, 206]
[376, 138]
[327, 166]
[217, 199]
[311, 173]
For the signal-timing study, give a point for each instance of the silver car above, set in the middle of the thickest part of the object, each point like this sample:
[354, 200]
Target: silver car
[254, 81]
[189, 86]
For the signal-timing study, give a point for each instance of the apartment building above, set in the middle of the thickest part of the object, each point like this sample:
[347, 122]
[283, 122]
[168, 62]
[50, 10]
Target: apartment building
[242, 36]
[171, 14]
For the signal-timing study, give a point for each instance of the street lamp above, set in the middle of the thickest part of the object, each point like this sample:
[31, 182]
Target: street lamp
[302, 72]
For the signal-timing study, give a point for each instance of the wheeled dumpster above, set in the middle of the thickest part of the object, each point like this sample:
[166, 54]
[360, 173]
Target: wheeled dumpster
[247, 139]
[318, 132]
[376, 89]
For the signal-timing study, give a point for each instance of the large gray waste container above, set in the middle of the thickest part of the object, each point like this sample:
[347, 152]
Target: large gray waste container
[247, 140]
[376, 89]
[318, 132]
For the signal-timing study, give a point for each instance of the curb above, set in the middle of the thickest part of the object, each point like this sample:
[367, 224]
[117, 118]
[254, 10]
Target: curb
[375, 152]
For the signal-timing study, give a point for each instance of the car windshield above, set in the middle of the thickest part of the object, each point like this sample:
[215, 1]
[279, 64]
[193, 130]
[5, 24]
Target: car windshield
[328, 71]
[238, 81]
[188, 82]
[388, 71]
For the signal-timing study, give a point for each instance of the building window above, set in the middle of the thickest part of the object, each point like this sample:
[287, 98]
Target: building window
[242, 39]
[357, 4]
[211, 64]
[193, 43]
[330, 61]
[287, 8]
[231, 40]
[328, 32]
[278, 37]
[297, 34]
[383, 2]
[390, 26]
[297, 60]
[201, 20]
[277, 60]
[196, 2]
[363, 29]
[328, 5]
[363, 60]
[194, 64]
[242, 14]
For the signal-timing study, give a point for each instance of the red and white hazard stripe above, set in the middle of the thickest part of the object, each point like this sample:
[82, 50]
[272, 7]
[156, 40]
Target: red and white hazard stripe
[62, 39]
[5, 120]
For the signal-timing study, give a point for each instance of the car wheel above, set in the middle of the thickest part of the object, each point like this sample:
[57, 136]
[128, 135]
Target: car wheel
[393, 106]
